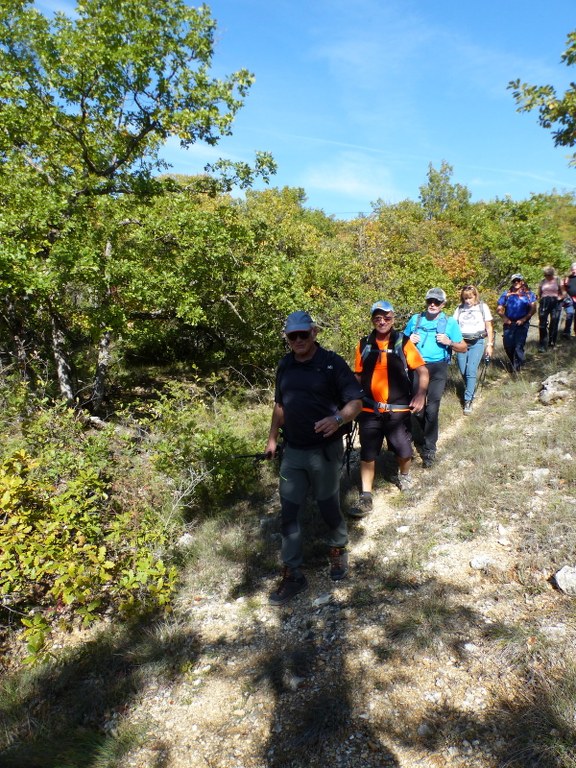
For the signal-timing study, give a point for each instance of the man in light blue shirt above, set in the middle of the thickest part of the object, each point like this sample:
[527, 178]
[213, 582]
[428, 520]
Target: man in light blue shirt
[435, 335]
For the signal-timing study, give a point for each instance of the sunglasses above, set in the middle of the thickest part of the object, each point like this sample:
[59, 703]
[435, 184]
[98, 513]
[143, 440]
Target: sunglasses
[434, 301]
[293, 335]
[382, 318]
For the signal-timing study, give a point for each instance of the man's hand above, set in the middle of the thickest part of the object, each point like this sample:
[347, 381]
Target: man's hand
[271, 447]
[327, 426]
[418, 402]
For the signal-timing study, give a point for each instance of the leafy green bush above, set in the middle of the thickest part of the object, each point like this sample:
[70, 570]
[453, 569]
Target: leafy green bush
[195, 444]
[67, 550]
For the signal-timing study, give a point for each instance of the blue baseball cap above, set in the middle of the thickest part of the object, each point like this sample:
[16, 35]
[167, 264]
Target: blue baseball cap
[383, 306]
[298, 321]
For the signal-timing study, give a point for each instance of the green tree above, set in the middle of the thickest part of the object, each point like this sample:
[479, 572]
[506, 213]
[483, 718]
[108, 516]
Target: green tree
[85, 105]
[554, 112]
[439, 195]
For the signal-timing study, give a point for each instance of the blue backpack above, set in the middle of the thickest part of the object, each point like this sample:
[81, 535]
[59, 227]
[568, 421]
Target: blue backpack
[440, 328]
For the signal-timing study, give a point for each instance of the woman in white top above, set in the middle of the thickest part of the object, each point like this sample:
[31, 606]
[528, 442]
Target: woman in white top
[476, 323]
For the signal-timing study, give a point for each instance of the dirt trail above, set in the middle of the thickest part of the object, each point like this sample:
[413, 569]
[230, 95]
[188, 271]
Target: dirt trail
[379, 670]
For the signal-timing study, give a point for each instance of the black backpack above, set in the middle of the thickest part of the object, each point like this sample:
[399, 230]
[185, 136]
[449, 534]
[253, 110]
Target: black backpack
[370, 354]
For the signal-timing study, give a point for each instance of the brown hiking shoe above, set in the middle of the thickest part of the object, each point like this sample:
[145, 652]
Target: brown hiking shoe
[290, 585]
[338, 563]
[363, 507]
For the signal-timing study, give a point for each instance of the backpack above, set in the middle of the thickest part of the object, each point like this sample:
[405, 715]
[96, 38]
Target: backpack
[571, 285]
[370, 354]
[345, 429]
[440, 328]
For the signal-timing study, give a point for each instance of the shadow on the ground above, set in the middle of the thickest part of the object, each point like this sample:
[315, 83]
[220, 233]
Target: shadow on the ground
[71, 708]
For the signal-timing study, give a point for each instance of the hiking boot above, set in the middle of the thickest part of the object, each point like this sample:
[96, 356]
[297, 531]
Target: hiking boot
[290, 585]
[468, 407]
[541, 348]
[338, 563]
[428, 458]
[363, 507]
[405, 482]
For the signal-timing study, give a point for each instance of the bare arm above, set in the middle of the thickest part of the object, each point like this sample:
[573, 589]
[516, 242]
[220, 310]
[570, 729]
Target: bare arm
[457, 346]
[329, 425]
[419, 400]
[490, 331]
[277, 422]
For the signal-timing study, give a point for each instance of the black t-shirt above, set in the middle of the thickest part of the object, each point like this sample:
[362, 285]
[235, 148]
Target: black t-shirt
[310, 391]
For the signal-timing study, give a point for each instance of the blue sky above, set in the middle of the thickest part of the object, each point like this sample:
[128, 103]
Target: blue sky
[356, 98]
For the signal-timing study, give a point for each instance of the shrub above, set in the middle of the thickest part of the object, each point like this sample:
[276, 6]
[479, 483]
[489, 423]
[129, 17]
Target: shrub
[195, 441]
[66, 550]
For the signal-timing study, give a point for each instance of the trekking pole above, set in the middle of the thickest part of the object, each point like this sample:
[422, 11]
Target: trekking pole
[349, 445]
[480, 380]
[256, 457]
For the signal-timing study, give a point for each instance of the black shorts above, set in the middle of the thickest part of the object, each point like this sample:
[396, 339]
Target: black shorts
[395, 427]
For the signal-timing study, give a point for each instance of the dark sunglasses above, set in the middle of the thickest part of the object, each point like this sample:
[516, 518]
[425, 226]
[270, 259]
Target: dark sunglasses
[434, 301]
[293, 335]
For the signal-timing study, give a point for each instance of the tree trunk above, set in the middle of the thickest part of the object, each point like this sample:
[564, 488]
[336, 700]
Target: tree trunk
[14, 323]
[63, 368]
[104, 355]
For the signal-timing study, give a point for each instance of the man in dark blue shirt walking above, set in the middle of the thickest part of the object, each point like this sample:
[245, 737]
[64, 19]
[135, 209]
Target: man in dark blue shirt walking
[316, 395]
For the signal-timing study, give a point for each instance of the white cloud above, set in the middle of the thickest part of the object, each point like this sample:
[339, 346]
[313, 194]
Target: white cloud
[352, 175]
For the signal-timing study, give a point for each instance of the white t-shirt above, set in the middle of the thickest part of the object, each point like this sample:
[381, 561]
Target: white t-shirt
[470, 318]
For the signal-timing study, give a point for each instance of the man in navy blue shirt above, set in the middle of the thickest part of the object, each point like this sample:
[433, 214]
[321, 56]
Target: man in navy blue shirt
[316, 395]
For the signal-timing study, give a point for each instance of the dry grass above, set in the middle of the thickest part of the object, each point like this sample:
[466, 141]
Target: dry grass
[400, 633]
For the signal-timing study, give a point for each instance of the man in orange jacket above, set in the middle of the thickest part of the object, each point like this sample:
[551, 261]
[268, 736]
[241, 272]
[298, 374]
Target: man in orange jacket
[383, 364]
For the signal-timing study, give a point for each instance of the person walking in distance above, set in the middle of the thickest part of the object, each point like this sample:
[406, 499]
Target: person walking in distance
[435, 337]
[316, 395]
[516, 306]
[569, 289]
[550, 296]
[383, 360]
[477, 326]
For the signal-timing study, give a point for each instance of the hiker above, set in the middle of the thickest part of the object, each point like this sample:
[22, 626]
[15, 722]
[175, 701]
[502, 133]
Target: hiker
[435, 337]
[516, 306]
[316, 395]
[569, 290]
[382, 362]
[550, 295]
[477, 326]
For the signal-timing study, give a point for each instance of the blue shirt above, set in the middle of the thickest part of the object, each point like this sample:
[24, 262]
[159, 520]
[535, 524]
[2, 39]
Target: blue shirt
[429, 348]
[516, 305]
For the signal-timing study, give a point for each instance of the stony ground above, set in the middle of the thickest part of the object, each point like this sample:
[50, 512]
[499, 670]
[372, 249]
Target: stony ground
[396, 666]
[417, 660]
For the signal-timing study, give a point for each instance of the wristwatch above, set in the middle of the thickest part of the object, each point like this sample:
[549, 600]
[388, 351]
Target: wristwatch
[339, 419]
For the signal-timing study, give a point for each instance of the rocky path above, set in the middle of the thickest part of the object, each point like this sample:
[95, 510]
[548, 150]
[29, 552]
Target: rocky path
[399, 665]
